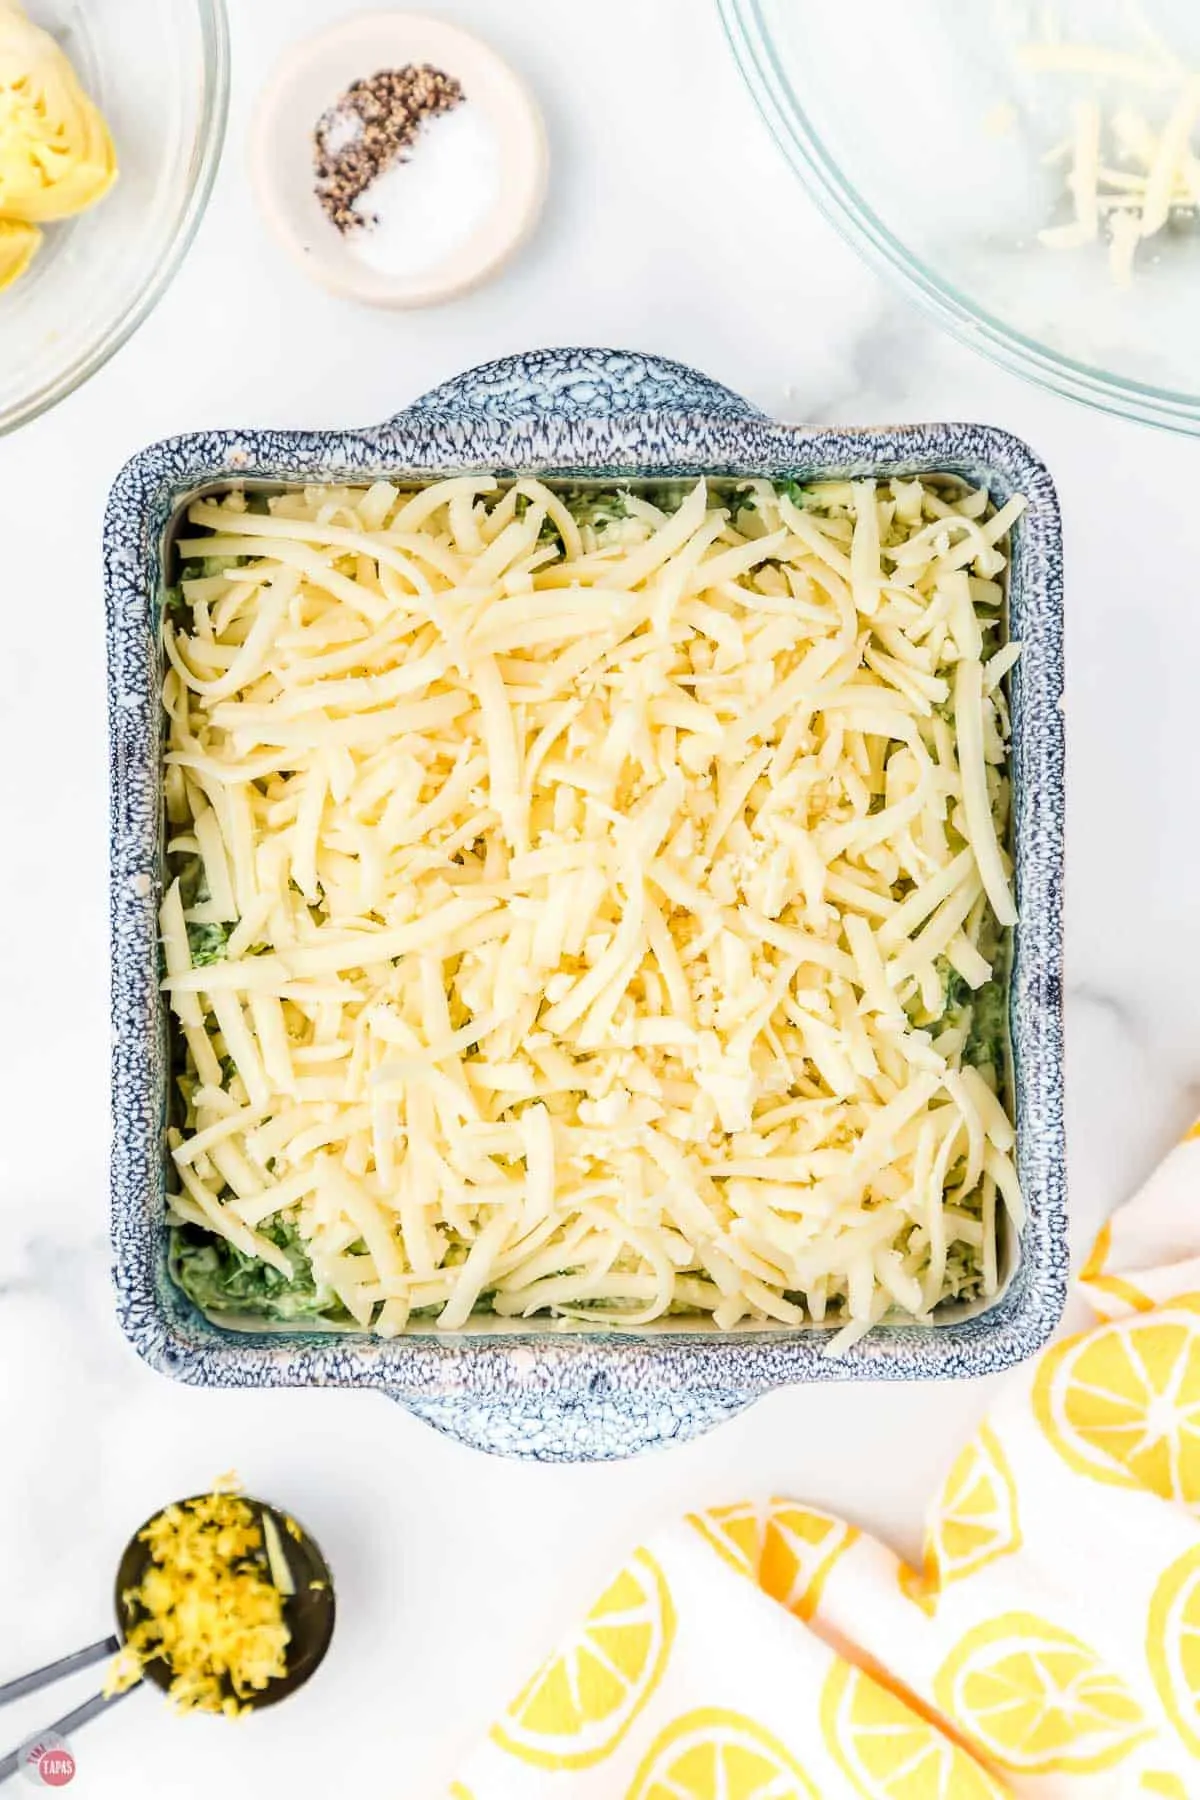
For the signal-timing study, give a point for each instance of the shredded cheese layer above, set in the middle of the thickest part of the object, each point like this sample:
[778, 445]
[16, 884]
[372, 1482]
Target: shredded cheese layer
[583, 896]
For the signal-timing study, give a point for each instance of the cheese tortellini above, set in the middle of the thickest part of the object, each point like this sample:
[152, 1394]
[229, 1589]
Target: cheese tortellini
[56, 155]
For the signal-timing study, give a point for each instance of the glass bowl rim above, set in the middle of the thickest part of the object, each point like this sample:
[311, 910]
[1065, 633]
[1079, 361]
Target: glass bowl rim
[749, 37]
[208, 142]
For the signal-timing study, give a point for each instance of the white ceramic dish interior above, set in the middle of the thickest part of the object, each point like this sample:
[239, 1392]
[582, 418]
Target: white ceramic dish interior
[512, 157]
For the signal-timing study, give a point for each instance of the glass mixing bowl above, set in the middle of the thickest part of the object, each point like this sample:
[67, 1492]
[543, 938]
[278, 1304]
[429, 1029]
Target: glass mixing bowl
[159, 70]
[933, 148]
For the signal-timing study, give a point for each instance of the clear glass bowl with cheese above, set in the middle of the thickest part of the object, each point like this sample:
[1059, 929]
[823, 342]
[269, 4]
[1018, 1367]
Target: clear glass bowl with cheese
[1027, 170]
[157, 71]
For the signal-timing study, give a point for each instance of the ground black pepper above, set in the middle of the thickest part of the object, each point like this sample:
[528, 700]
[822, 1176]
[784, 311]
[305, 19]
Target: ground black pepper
[371, 127]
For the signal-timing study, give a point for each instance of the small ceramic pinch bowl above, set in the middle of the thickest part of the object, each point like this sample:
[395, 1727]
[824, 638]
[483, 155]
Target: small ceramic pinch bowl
[501, 196]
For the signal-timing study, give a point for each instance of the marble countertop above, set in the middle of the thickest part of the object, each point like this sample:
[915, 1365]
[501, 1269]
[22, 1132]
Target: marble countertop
[672, 226]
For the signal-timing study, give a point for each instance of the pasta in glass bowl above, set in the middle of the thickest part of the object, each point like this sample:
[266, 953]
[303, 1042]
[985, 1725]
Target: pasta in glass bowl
[158, 70]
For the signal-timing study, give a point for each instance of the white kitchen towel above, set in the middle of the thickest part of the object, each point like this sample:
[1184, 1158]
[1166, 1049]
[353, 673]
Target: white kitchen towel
[1049, 1646]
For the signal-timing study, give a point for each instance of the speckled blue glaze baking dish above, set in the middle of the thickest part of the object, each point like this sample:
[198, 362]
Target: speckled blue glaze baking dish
[537, 1391]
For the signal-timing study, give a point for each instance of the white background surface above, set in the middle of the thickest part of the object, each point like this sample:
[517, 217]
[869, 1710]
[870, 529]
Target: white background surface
[673, 225]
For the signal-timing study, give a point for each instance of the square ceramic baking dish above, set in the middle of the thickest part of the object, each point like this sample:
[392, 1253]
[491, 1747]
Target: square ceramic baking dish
[535, 1390]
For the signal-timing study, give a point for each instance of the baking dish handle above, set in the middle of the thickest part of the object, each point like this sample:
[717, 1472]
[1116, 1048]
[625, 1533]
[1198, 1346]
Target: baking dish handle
[575, 385]
[599, 1427]
[578, 384]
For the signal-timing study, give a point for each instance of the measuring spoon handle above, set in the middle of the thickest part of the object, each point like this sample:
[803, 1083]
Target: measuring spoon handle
[55, 1671]
[80, 1715]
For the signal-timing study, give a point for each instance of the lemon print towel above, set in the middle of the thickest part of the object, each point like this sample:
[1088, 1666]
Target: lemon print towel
[1048, 1646]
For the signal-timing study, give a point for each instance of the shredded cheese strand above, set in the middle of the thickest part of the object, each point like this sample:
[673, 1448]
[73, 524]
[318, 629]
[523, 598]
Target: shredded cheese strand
[576, 898]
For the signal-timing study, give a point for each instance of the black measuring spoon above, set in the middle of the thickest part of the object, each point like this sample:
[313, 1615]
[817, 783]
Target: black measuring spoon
[308, 1613]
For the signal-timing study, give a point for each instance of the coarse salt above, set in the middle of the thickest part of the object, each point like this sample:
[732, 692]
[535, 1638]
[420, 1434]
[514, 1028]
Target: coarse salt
[344, 128]
[420, 211]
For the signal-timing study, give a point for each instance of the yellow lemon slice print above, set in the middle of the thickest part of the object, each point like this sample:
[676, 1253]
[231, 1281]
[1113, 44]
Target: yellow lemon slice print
[1038, 1700]
[975, 1519]
[800, 1547]
[915, 1585]
[1122, 1404]
[712, 1754]
[888, 1751]
[1113, 1295]
[1173, 1646]
[1163, 1785]
[581, 1703]
[788, 1549]
[734, 1532]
